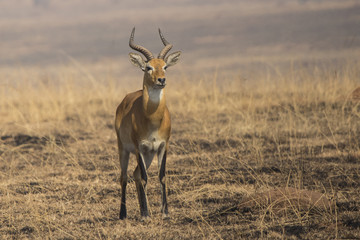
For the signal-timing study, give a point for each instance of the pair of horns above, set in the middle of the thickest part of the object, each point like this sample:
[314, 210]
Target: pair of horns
[146, 52]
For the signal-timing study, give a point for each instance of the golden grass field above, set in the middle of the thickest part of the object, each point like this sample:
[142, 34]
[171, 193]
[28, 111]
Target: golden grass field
[232, 138]
[265, 123]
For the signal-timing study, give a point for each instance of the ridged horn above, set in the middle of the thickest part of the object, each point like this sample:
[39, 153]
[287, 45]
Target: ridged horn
[139, 48]
[167, 47]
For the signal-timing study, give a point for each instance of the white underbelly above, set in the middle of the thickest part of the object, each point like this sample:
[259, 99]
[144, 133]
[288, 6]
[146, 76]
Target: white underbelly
[151, 144]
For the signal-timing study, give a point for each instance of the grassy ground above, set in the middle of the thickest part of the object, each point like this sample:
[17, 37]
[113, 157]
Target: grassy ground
[231, 138]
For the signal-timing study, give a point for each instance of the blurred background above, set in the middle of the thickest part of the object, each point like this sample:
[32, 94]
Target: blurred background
[211, 34]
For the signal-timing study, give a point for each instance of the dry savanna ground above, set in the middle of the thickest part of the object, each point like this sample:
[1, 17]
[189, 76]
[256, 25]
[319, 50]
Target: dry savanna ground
[274, 154]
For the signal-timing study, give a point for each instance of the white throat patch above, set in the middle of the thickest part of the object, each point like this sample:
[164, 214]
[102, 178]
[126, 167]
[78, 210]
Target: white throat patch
[155, 95]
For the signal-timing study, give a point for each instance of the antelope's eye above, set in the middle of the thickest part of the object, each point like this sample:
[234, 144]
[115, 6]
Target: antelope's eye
[148, 68]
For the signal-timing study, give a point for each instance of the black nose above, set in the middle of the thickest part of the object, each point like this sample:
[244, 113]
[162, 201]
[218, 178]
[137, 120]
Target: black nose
[161, 80]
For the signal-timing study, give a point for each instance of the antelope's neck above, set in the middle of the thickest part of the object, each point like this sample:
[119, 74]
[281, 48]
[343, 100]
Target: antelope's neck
[153, 103]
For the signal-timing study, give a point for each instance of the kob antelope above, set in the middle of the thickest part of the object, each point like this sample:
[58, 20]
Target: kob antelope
[143, 124]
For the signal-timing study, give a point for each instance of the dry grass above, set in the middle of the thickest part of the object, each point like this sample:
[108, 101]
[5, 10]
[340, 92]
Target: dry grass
[232, 137]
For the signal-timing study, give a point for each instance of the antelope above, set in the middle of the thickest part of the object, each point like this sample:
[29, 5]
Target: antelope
[143, 124]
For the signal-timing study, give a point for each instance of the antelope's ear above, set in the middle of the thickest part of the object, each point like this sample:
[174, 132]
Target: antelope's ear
[137, 60]
[172, 59]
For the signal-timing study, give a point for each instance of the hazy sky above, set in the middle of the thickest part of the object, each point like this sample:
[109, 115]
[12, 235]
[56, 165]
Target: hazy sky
[44, 31]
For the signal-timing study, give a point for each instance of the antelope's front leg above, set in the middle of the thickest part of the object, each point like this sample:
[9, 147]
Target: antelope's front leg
[161, 165]
[124, 161]
[140, 176]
